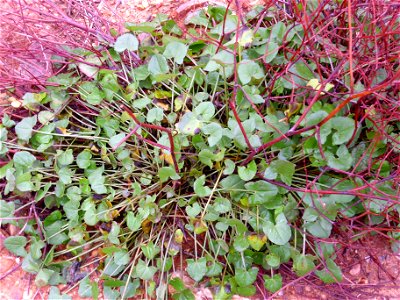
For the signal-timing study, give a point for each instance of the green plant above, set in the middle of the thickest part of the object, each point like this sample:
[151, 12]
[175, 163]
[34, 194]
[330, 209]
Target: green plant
[190, 151]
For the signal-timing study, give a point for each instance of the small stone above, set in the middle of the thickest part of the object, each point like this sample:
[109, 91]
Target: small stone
[143, 5]
[355, 270]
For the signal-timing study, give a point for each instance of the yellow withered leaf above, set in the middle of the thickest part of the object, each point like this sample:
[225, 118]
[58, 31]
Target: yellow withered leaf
[63, 130]
[167, 156]
[15, 102]
[316, 85]
[257, 241]
[146, 226]
[94, 149]
[200, 226]
[293, 108]
[178, 236]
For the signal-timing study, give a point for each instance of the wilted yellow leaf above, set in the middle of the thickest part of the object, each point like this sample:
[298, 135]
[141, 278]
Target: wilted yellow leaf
[63, 130]
[200, 226]
[146, 226]
[293, 108]
[247, 38]
[178, 236]
[94, 149]
[257, 241]
[15, 102]
[316, 85]
[167, 156]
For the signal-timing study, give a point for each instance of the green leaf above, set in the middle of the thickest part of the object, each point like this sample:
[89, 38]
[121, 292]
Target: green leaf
[229, 167]
[222, 205]
[150, 250]
[272, 51]
[228, 25]
[344, 127]
[274, 283]
[263, 192]
[97, 180]
[280, 232]
[278, 32]
[189, 124]
[285, 170]
[115, 140]
[65, 174]
[55, 294]
[16, 245]
[273, 260]
[6, 121]
[143, 271]
[83, 159]
[207, 157]
[303, 264]
[155, 114]
[43, 277]
[342, 160]
[331, 274]
[158, 65]
[65, 158]
[299, 74]
[320, 227]
[91, 93]
[35, 249]
[10, 186]
[214, 132]
[121, 257]
[64, 79]
[248, 172]
[85, 288]
[215, 269]
[32, 100]
[114, 233]
[111, 294]
[205, 110]
[148, 27]
[165, 173]
[241, 243]
[245, 277]
[6, 210]
[133, 222]
[24, 182]
[90, 216]
[249, 70]
[45, 116]
[177, 51]
[127, 41]
[222, 61]
[246, 291]
[177, 284]
[302, 70]
[30, 265]
[193, 210]
[197, 268]
[54, 233]
[91, 68]
[24, 159]
[200, 189]
[24, 128]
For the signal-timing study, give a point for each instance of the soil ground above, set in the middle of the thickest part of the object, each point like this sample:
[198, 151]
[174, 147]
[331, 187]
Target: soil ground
[370, 269]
